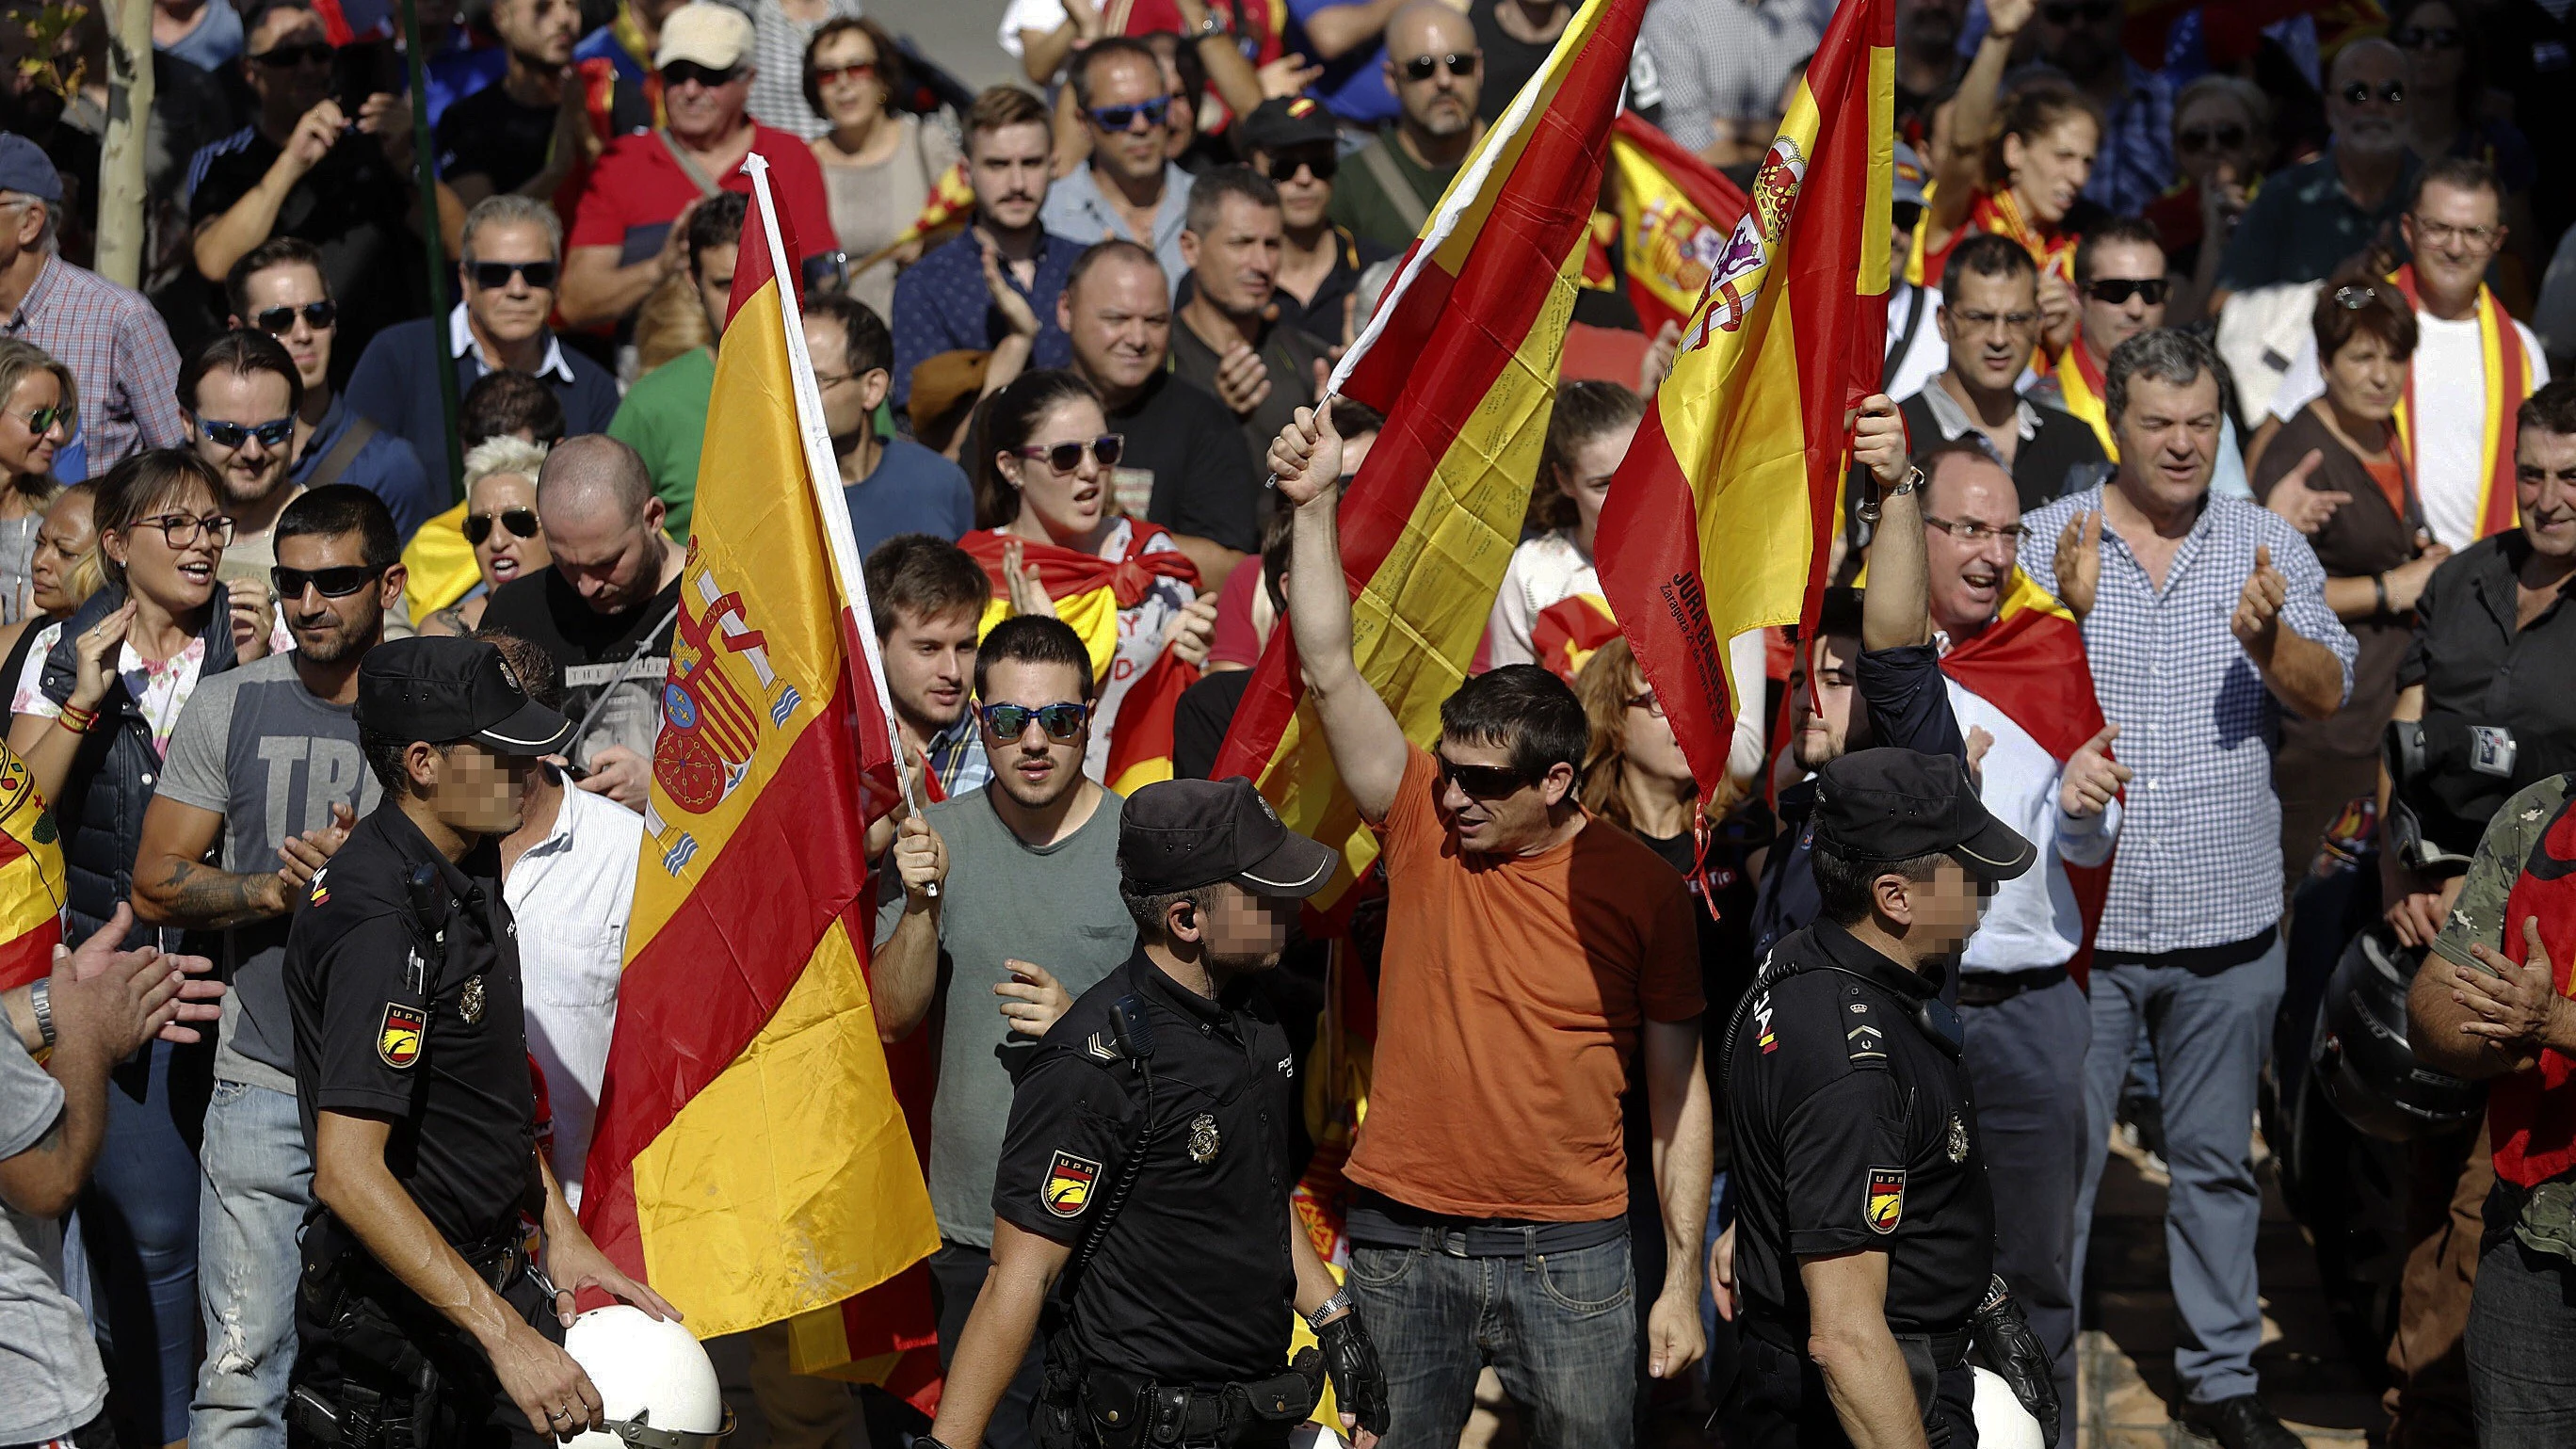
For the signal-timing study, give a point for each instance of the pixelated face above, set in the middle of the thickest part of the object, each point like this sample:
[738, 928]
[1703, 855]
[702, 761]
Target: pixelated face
[1820, 699]
[1240, 931]
[291, 288]
[1034, 768]
[930, 666]
[328, 630]
[1943, 911]
[471, 789]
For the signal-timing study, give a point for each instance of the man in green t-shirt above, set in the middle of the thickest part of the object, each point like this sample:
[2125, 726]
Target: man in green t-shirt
[1388, 186]
[664, 417]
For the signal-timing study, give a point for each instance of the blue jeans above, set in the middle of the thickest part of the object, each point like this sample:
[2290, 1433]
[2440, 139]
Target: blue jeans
[2521, 1340]
[139, 1227]
[2210, 1031]
[1560, 1330]
[251, 1197]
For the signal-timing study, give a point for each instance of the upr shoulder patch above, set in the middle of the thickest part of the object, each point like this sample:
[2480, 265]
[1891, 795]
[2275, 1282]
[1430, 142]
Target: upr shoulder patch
[1069, 1181]
[1884, 1202]
[398, 1037]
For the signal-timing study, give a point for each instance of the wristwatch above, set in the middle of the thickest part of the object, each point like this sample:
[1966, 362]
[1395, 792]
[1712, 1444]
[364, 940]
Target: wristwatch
[40, 999]
[1328, 1308]
[1212, 26]
[1868, 511]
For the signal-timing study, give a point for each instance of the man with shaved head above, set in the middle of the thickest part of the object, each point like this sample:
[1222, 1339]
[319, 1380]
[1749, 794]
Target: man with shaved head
[1436, 71]
[2308, 219]
[604, 609]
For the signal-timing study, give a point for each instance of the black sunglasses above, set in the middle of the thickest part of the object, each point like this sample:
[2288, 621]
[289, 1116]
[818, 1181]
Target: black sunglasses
[1121, 118]
[312, 52]
[2227, 137]
[521, 521]
[271, 434]
[493, 276]
[2359, 93]
[1065, 457]
[278, 321]
[1460, 63]
[681, 72]
[1062, 722]
[2118, 290]
[2425, 37]
[335, 583]
[1322, 163]
[1905, 214]
[1481, 782]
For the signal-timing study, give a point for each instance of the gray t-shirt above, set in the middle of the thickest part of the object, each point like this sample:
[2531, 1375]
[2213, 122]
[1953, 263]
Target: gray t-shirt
[50, 1378]
[257, 748]
[1056, 907]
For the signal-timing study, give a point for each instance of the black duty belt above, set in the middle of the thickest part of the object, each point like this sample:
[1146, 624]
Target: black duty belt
[1949, 1348]
[1125, 1411]
[1994, 988]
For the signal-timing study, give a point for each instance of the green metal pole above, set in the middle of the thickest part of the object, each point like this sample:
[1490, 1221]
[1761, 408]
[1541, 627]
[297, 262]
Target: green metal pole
[425, 164]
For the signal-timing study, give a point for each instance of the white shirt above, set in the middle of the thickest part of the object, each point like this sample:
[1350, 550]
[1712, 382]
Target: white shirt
[1926, 355]
[2449, 418]
[571, 893]
[2033, 921]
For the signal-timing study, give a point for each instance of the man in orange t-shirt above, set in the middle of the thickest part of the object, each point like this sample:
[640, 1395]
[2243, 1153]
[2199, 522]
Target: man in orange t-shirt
[1530, 953]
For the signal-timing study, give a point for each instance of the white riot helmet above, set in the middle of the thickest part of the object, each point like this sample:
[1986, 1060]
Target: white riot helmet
[655, 1382]
[2002, 1423]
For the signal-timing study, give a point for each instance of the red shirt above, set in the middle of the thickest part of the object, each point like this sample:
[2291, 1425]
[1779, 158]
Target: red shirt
[637, 189]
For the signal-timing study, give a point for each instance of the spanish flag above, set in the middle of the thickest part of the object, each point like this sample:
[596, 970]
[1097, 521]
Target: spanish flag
[1720, 518]
[2081, 384]
[751, 1161]
[1675, 211]
[439, 566]
[1461, 357]
[2505, 367]
[31, 877]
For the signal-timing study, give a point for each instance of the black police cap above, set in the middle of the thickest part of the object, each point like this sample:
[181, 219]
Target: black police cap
[443, 689]
[1179, 835]
[1891, 805]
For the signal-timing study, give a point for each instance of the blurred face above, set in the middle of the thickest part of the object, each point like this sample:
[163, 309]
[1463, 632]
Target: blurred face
[1120, 319]
[614, 563]
[2436, 47]
[703, 105]
[61, 539]
[1820, 699]
[255, 467]
[1488, 807]
[2544, 486]
[329, 630]
[539, 34]
[1238, 931]
[1130, 117]
[2212, 130]
[846, 77]
[2454, 234]
[1588, 482]
[1008, 169]
[508, 501]
[36, 424]
[287, 61]
[1035, 769]
[930, 666]
[2132, 267]
[179, 577]
[2080, 37]
[506, 302]
[1238, 260]
[2366, 99]
[2168, 442]
[1652, 751]
[1971, 539]
[714, 275]
[2049, 170]
[1304, 191]
[279, 298]
[1067, 504]
[470, 789]
[1929, 27]
[1991, 324]
[1437, 72]
[2365, 378]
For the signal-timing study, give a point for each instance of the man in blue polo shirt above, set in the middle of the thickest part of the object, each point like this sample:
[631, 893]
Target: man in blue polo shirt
[944, 302]
[511, 252]
[893, 485]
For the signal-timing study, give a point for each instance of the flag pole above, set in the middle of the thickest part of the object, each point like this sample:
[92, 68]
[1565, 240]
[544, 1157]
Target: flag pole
[424, 160]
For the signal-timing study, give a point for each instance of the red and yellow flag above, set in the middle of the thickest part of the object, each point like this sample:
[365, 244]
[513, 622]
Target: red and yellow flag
[2504, 364]
[1720, 518]
[31, 877]
[1675, 212]
[751, 1161]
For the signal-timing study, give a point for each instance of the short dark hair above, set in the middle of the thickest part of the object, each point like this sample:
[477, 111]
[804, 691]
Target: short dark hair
[1990, 254]
[505, 402]
[540, 678]
[1207, 195]
[1353, 419]
[241, 352]
[2460, 173]
[384, 754]
[1149, 911]
[2356, 303]
[870, 347]
[1278, 546]
[998, 108]
[260, 10]
[716, 223]
[890, 64]
[1034, 639]
[275, 252]
[1524, 709]
[2550, 410]
[2166, 354]
[1116, 248]
[338, 510]
[2134, 231]
[1838, 613]
[1843, 885]
[923, 575]
[1109, 49]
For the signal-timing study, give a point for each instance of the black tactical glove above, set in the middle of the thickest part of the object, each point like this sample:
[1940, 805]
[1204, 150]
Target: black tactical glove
[2004, 1340]
[1359, 1380]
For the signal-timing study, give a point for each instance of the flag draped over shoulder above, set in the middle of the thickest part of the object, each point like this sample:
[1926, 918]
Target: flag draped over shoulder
[2504, 365]
[1675, 212]
[750, 1159]
[1719, 519]
[31, 877]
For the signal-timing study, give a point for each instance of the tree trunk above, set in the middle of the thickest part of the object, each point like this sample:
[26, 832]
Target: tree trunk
[120, 166]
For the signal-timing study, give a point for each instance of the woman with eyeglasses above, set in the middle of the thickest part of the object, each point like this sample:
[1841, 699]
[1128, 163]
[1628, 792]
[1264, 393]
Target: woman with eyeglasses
[1055, 543]
[2337, 473]
[500, 522]
[42, 407]
[2222, 146]
[879, 164]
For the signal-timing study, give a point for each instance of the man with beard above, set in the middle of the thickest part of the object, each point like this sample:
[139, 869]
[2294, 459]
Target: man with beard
[243, 396]
[1229, 342]
[1025, 919]
[265, 760]
[1436, 72]
[945, 302]
[2135, 161]
[527, 132]
[2309, 218]
[1129, 189]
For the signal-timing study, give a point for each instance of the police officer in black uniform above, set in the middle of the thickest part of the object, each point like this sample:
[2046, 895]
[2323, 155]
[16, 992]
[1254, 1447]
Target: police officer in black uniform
[1864, 1240]
[422, 1323]
[1146, 1171]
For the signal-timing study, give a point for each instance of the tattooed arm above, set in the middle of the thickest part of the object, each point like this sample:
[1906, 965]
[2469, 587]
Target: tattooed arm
[173, 885]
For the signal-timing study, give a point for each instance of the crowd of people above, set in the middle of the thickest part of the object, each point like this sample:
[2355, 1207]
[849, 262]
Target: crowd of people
[2245, 378]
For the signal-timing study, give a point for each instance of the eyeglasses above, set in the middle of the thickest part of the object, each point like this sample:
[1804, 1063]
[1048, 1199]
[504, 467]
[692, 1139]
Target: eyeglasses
[2354, 297]
[271, 434]
[334, 583]
[2091, 12]
[1065, 457]
[2359, 93]
[45, 420]
[681, 72]
[1481, 782]
[835, 74]
[280, 57]
[1974, 534]
[278, 321]
[2425, 37]
[1123, 118]
[2437, 233]
[2116, 291]
[493, 276]
[2227, 136]
[181, 529]
[1647, 702]
[1905, 215]
[1987, 321]
[1321, 163]
[1062, 722]
[1459, 63]
[521, 521]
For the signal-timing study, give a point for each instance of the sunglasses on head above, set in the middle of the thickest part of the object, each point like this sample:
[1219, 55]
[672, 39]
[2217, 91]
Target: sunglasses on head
[832, 75]
[1481, 782]
[271, 434]
[278, 321]
[334, 583]
[1320, 163]
[1065, 457]
[1459, 63]
[521, 521]
[2354, 298]
[2118, 290]
[2359, 93]
[2425, 37]
[2225, 137]
[1062, 722]
[493, 276]
[312, 52]
[45, 420]
[681, 72]
[1123, 118]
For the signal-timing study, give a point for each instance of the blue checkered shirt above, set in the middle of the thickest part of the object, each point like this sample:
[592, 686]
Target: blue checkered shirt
[957, 756]
[2136, 161]
[2200, 844]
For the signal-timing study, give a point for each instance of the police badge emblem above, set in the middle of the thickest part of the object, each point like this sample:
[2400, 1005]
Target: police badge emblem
[469, 1002]
[1958, 1139]
[1203, 1139]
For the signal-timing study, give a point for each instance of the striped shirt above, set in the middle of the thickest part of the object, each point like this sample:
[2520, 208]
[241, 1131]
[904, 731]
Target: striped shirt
[778, 49]
[120, 355]
[1724, 60]
[2200, 844]
[207, 155]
